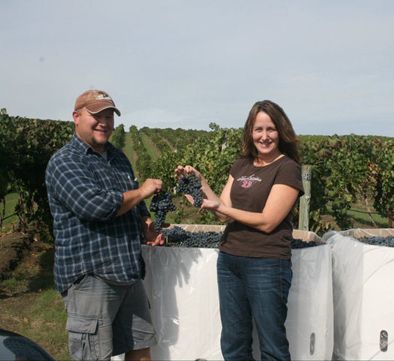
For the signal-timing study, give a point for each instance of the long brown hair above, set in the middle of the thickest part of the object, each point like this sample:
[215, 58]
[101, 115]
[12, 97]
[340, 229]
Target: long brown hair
[288, 143]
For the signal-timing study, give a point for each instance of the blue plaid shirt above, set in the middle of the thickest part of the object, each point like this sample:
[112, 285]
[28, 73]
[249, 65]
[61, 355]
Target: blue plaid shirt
[85, 193]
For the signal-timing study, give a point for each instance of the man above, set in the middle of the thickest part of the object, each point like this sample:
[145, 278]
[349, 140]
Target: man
[100, 220]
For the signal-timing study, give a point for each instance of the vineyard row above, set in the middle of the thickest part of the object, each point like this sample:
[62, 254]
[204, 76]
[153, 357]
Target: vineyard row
[345, 169]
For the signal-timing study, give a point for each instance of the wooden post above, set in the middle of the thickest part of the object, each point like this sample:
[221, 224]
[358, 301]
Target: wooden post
[303, 217]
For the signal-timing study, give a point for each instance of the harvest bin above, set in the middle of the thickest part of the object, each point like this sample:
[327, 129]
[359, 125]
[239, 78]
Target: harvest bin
[363, 288]
[181, 284]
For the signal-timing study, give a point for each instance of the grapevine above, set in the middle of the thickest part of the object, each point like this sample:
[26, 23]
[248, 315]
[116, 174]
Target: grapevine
[190, 184]
[161, 204]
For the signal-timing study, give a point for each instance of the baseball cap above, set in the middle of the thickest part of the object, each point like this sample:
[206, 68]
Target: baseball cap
[95, 101]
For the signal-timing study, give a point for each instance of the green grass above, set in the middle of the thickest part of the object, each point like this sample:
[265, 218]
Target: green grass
[10, 218]
[31, 306]
[48, 319]
[11, 200]
[362, 217]
[128, 149]
[150, 147]
[39, 316]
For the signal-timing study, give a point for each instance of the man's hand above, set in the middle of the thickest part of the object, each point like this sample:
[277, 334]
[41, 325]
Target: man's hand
[150, 186]
[132, 197]
[152, 237]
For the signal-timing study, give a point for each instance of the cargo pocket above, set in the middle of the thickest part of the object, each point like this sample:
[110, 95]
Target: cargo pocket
[82, 338]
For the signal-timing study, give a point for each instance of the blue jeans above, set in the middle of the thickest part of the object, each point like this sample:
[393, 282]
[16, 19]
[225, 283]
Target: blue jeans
[253, 288]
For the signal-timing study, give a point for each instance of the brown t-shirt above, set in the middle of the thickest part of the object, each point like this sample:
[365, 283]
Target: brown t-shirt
[249, 192]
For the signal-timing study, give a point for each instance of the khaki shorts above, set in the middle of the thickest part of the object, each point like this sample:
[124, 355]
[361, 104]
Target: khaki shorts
[106, 319]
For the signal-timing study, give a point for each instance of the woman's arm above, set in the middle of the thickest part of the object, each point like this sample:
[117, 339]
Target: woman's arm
[225, 199]
[279, 203]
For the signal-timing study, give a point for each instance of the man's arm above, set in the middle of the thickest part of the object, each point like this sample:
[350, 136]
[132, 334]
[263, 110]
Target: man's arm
[72, 184]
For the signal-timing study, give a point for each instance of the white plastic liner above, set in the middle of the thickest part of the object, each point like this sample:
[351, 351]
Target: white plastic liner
[182, 286]
[310, 317]
[363, 284]
[309, 323]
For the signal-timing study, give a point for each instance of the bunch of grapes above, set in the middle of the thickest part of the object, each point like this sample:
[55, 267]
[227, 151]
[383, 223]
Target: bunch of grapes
[179, 237]
[161, 204]
[299, 243]
[378, 241]
[190, 184]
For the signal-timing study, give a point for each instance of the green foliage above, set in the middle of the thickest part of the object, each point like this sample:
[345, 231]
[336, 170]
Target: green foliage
[382, 173]
[4, 180]
[211, 154]
[345, 169]
[163, 168]
[25, 147]
[133, 129]
[118, 137]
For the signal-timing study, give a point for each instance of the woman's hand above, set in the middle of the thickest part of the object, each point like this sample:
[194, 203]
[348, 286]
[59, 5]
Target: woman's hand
[188, 169]
[210, 204]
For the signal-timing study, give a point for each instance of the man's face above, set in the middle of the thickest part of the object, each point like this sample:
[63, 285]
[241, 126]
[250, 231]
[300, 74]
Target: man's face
[94, 129]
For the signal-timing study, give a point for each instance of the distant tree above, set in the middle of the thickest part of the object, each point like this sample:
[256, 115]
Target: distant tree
[133, 129]
[118, 137]
[213, 126]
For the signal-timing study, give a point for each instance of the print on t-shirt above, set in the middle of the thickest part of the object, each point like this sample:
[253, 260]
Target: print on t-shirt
[247, 182]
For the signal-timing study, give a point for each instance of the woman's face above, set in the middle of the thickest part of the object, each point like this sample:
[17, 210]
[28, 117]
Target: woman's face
[265, 135]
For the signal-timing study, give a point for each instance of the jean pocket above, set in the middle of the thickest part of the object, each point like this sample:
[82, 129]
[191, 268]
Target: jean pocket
[82, 333]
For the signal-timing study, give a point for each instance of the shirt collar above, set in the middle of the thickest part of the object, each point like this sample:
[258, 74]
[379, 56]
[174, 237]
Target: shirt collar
[85, 148]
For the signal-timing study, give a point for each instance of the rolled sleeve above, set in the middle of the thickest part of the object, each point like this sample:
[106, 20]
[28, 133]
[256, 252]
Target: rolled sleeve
[75, 187]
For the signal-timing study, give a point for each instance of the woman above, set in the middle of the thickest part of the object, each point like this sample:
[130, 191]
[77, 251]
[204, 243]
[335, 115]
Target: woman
[254, 267]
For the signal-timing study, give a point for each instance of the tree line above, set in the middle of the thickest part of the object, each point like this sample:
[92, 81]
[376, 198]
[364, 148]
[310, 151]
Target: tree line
[345, 169]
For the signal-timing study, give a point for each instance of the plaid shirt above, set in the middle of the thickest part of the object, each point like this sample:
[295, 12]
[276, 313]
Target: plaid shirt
[85, 193]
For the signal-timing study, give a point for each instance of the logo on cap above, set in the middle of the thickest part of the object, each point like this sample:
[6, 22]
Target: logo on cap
[103, 97]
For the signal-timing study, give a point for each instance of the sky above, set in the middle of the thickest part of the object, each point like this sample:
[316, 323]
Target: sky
[185, 63]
